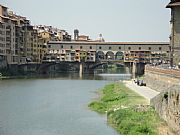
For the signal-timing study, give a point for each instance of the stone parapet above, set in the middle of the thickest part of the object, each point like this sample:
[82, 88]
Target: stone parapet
[167, 72]
[161, 79]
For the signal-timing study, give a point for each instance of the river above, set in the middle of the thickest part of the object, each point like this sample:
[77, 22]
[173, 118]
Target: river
[53, 106]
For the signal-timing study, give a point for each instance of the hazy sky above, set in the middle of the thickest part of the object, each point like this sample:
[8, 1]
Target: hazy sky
[117, 20]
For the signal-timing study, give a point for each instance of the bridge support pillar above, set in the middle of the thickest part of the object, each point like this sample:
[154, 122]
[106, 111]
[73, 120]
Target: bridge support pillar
[137, 69]
[140, 67]
[134, 70]
[80, 70]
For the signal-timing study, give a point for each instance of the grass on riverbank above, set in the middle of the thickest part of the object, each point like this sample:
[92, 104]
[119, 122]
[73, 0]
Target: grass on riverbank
[115, 96]
[131, 121]
[124, 111]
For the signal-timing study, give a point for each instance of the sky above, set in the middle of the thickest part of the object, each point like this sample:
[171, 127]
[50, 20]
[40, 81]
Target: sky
[116, 20]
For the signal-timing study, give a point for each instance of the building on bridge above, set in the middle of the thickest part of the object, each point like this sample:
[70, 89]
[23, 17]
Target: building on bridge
[112, 51]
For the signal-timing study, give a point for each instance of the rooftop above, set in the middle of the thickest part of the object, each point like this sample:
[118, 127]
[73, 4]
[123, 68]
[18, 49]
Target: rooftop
[3, 6]
[173, 4]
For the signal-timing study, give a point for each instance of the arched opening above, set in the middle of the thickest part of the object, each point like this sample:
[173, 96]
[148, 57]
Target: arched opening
[110, 55]
[100, 55]
[119, 56]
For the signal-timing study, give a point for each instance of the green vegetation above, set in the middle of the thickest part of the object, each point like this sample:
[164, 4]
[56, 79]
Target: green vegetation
[116, 96]
[124, 111]
[130, 121]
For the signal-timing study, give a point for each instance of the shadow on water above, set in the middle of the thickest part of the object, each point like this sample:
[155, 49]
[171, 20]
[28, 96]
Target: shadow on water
[111, 73]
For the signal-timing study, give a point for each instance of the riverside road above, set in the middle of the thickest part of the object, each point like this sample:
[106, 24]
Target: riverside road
[144, 91]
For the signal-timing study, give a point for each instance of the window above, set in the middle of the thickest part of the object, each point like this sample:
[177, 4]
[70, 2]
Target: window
[81, 47]
[90, 47]
[149, 48]
[129, 48]
[61, 46]
[110, 48]
[119, 48]
[160, 48]
[139, 48]
[100, 47]
[71, 47]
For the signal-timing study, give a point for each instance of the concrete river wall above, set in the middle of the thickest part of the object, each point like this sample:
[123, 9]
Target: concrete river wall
[167, 103]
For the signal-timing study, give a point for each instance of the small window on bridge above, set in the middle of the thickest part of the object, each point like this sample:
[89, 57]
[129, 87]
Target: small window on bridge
[71, 47]
[119, 48]
[110, 48]
[129, 48]
[61, 46]
[160, 48]
[81, 47]
[90, 47]
[149, 48]
[139, 48]
[100, 47]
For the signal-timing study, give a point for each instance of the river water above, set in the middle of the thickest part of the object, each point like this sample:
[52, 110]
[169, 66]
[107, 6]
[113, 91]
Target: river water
[53, 106]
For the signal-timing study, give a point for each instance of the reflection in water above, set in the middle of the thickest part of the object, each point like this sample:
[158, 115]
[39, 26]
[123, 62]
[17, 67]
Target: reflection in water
[56, 104]
[111, 73]
[115, 77]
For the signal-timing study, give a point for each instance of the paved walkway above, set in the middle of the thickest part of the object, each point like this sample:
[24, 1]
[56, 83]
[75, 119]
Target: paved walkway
[144, 91]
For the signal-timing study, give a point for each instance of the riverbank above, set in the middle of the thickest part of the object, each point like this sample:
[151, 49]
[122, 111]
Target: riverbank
[128, 112]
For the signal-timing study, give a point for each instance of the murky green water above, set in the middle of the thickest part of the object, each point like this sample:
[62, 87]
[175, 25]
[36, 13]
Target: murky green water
[52, 106]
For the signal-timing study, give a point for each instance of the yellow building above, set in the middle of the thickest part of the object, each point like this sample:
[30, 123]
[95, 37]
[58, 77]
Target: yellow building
[44, 35]
[43, 38]
[42, 49]
[83, 55]
[77, 55]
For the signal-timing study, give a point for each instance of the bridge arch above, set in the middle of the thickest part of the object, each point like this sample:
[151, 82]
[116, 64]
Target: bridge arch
[100, 55]
[119, 56]
[110, 55]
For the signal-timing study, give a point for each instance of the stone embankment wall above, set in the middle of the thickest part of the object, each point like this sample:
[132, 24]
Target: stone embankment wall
[167, 103]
